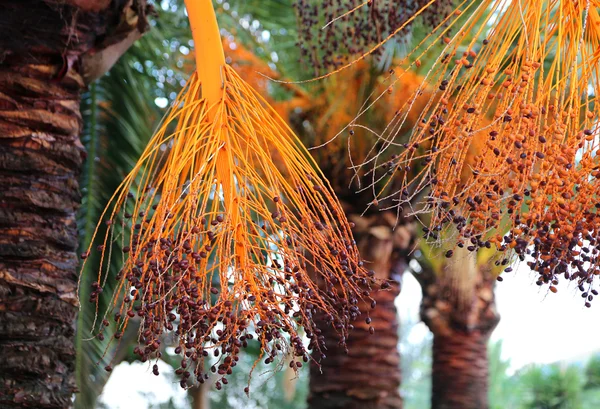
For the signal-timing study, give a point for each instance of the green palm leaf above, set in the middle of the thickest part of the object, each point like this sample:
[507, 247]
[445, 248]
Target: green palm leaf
[120, 115]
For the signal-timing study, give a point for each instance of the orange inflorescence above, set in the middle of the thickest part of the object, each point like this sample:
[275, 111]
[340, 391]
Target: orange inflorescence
[336, 134]
[517, 83]
[228, 233]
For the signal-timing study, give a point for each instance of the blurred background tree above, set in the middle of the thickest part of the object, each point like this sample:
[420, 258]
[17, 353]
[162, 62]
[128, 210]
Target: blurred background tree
[552, 386]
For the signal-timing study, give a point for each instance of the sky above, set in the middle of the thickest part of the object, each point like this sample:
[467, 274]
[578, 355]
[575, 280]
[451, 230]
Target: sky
[536, 326]
[133, 386]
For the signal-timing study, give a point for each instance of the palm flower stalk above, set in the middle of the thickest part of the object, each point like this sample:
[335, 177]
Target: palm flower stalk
[523, 77]
[219, 222]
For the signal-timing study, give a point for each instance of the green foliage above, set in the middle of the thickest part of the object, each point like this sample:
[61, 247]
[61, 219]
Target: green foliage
[416, 366]
[591, 391]
[590, 398]
[504, 391]
[592, 373]
[552, 387]
[119, 116]
[280, 46]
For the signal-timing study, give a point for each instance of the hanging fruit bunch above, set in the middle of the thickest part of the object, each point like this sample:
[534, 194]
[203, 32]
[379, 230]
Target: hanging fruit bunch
[228, 231]
[525, 74]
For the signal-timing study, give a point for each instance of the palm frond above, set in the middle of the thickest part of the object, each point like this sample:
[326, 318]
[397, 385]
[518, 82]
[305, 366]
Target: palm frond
[119, 117]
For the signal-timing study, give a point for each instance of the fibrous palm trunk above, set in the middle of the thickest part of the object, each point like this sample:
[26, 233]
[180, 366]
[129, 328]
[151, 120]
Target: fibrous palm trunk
[460, 370]
[365, 373]
[461, 318]
[42, 59]
[40, 159]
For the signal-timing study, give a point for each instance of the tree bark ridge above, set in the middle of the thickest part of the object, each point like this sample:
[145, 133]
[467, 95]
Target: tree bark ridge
[40, 160]
[460, 371]
[43, 69]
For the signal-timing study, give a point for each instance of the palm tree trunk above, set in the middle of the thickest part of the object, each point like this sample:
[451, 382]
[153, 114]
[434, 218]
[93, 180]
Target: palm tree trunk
[199, 396]
[460, 310]
[40, 161]
[41, 65]
[365, 374]
[460, 370]
[368, 375]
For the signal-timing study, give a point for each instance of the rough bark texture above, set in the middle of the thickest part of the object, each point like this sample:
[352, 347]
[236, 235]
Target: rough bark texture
[460, 370]
[367, 375]
[40, 159]
[41, 52]
[461, 317]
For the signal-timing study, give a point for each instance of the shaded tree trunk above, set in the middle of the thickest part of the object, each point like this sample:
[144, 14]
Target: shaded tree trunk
[367, 374]
[42, 53]
[199, 396]
[460, 370]
[459, 308]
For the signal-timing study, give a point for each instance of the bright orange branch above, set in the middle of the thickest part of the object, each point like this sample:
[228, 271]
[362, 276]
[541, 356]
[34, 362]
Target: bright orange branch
[210, 58]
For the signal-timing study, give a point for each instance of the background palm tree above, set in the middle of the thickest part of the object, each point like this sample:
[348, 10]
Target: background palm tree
[351, 376]
[459, 308]
[50, 50]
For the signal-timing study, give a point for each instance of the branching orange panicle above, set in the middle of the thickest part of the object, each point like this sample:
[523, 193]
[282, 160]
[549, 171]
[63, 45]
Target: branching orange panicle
[531, 68]
[219, 223]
